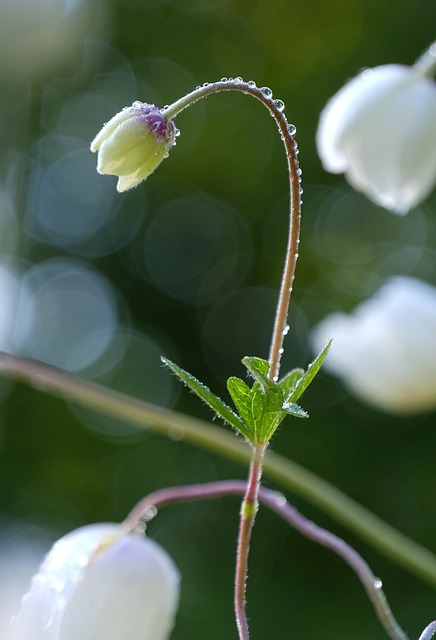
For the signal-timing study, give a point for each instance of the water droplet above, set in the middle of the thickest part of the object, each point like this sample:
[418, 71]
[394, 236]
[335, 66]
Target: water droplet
[280, 499]
[266, 92]
[378, 583]
[292, 129]
[176, 433]
[137, 104]
[198, 87]
[140, 528]
[149, 513]
[206, 84]
[176, 132]
[275, 379]
[285, 330]
[279, 104]
[230, 79]
[224, 79]
[238, 80]
[251, 84]
[281, 351]
[299, 172]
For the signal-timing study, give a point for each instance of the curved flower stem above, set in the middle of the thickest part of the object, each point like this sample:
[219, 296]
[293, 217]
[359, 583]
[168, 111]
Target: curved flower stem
[429, 631]
[147, 508]
[287, 131]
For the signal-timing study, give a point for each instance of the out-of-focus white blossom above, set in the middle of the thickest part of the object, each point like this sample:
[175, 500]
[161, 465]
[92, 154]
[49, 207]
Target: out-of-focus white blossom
[380, 130]
[37, 37]
[100, 583]
[385, 351]
[133, 144]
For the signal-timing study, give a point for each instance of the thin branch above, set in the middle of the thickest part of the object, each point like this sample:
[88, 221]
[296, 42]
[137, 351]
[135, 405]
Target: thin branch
[277, 503]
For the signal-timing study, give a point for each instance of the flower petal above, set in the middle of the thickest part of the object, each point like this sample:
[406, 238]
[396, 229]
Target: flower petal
[100, 582]
[385, 351]
[108, 129]
[129, 591]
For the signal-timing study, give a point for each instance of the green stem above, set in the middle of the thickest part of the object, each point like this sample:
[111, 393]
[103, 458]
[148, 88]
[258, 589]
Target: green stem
[287, 474]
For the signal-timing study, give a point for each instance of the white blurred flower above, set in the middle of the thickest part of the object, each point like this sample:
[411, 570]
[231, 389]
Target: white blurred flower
[38, 36]
[380, 130]
[385, 351]
[133, 144]
[100, 583]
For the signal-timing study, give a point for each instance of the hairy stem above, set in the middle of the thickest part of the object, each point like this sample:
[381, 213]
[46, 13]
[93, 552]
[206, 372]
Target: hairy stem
[147, 508]
[287, 131]
[248, 514]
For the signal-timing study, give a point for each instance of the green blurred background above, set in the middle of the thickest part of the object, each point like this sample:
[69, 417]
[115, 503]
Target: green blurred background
[188, 265]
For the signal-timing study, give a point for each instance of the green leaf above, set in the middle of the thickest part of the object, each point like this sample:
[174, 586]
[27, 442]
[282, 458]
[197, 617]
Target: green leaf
[261, 411]
[295, 410]
[276, 397]
[242, 397]
[256, 366]
[209, 398]
[311, 372]
[289, 381]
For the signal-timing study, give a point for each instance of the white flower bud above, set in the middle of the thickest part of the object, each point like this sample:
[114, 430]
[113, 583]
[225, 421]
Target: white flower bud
[100, 583]
[380, 130]
[385, 351]
[133, 144]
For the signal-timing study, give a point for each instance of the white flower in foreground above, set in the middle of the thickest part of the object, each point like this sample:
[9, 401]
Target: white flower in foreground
[133, 144]
[100, 583]
[380, 130]
[385, 351]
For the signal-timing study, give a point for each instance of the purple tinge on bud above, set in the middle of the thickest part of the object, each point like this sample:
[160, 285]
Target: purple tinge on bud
[133, 144]
[153, 118]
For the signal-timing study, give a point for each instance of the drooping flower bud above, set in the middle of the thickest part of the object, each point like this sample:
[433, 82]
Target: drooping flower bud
[100, 583]
[385, 351]
[380, 130]
[133, 144]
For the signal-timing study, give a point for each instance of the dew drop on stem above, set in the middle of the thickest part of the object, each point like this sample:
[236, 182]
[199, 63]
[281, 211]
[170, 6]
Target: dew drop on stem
[266, 91]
